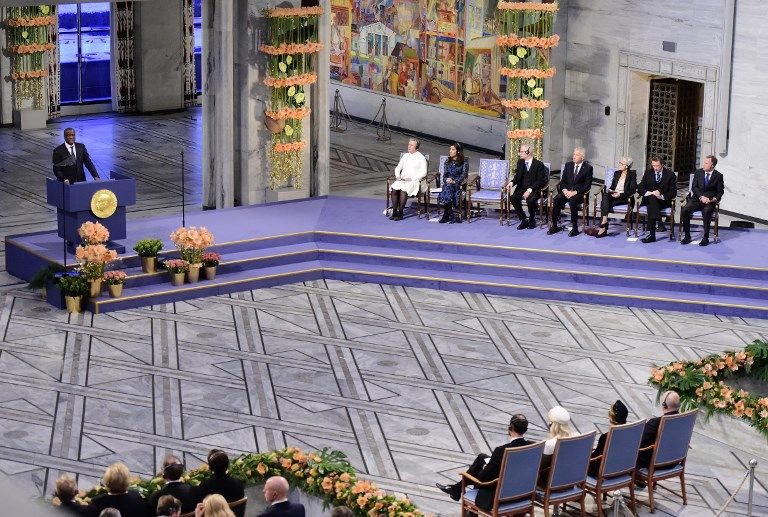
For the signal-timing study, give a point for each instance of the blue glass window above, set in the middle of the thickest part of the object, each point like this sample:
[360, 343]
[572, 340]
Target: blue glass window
[84, 50]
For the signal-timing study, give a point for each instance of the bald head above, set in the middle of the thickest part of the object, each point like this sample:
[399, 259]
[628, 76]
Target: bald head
[670, 402]
[276, 489]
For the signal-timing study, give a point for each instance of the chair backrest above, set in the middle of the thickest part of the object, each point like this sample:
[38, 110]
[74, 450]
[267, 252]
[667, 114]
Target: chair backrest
[690, 184]
[238, 507]
[519, 470]
[621, 447]
[610, 172]
[675, 433]
[570, 461]
[548, 166]
[493, 173]
[441, 170]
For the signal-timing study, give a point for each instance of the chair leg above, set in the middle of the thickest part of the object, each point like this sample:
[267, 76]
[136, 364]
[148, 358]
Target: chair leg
[583, 502]
[650, 496]
[599, 502]
[682, 487]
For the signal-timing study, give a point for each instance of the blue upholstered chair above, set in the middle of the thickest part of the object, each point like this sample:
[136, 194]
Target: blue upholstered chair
[488, 190]
[622, 211]
[567, 472]
[715, 217]
[617, 463]
[439, 181]
[642, 211]
[669, 453]
[421, 196]
[514, 487]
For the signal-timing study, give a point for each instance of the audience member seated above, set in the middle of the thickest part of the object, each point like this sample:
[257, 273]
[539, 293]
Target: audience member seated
[617, 415]
[342, 511]
[214, 506]
[455, 173]
[173, 469]
[530, 177]
[658, 189]
[670, 405]
[706, 192]
[485, 469]
[66, 490]
[575, 181]
[408, 173]
[110, 512]
[128, 502]
[619, 192]
[168, 505]
[559, 427]
[276, 494]
[220, 482]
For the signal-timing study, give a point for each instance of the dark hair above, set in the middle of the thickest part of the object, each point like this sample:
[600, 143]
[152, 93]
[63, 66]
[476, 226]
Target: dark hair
[518, 423]
[459, 160]
[657, 158]
[167, 504]
[218, 461]
[173, 471]
[342, 511]
[713, 158]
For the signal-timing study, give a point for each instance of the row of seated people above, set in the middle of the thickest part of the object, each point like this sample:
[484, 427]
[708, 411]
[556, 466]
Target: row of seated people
[485, 471]
[657, 190]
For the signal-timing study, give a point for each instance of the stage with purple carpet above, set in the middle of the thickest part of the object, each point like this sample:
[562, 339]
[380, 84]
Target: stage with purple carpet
[349, 239]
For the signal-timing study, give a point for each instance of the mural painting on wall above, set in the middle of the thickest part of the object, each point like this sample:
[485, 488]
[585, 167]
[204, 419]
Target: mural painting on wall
[437, 51]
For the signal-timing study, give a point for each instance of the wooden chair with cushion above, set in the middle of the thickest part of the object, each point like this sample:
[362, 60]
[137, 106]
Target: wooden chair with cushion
[489, 187]
[567, 474]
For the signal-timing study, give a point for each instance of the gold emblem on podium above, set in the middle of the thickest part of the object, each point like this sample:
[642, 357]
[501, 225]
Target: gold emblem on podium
[103, 203]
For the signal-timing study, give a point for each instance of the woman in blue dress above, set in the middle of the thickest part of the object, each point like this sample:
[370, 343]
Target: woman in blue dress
[455, 172]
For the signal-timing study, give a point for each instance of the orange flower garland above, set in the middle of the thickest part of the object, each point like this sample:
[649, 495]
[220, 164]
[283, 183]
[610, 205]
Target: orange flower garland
[525, 104]
[513, 41]
[527, 72]
[296, 80]
[38, 21]
[282, 12]
[525, 6]
[535, 134]
[284, 113]
[30, 48]
[34, 74]
[291, 48]
[288, 148]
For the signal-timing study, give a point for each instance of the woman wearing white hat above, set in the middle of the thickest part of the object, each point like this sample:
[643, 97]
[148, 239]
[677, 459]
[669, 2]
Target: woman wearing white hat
[559, 427]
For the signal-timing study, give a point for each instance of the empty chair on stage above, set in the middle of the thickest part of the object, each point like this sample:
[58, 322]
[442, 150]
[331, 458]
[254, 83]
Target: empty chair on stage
[489, 188]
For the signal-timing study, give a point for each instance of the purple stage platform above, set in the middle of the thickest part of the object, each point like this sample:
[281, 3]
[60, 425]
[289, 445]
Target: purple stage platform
[349, 239]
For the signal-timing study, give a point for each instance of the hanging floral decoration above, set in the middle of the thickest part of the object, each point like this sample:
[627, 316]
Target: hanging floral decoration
[525, 46]
[28, 41]
[293, 41]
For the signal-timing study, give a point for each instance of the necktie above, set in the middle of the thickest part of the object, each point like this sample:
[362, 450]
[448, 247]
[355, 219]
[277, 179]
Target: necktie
[72, 151]
[527, 166]
[658, 177]
[576, 171]
[706, 179]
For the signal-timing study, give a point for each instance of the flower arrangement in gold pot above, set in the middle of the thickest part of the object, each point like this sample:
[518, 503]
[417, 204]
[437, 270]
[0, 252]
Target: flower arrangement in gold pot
[115, 281]
[178, 269]
[191, 242]
[211, 261]
[93, 258]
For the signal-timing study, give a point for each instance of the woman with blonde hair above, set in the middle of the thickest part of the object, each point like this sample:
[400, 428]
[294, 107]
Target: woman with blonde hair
[559, 427]
[127, 502]
[213, 506]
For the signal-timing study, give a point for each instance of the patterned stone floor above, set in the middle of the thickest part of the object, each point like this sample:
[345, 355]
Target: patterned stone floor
[410, 383]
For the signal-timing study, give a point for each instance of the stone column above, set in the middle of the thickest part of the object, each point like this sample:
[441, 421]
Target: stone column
[320, 141]
[218, 103]
[6, 86]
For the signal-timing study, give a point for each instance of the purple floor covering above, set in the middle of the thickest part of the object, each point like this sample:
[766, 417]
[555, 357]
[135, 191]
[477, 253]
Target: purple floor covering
[350, 239]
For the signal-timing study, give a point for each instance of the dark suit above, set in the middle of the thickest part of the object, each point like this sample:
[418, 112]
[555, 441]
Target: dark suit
[713, 189]
[284, 509]
[630, 187]
[490, 471]
[229, 488]
[76, 172]
[581, 182]
[650, 431]
[181, 491]
[667, 186]
[72, 508]
[130, 504]
[594, 464]
[535, 179]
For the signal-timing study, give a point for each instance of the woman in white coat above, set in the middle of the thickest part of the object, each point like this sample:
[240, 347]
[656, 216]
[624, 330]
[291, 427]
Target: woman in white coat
[408, 173]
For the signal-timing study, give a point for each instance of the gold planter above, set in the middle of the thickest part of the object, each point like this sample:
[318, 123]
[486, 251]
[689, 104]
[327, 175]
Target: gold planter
[74, 303]
[193, 273]
[115, 290]
[177, 279]
[95, 288]
[149, 264]
[210, 272]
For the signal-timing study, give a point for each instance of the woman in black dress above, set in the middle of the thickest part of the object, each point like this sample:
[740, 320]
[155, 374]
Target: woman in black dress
[619, 192]
[454, 173]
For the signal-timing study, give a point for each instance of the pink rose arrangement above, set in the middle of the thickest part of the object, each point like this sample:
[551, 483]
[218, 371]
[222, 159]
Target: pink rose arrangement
[93, 258]
[176, 265]
[114, 277]
[211, 259]
[93, 233]
[191, 242]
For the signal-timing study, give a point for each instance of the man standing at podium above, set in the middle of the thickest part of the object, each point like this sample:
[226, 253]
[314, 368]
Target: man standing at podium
[69, 158]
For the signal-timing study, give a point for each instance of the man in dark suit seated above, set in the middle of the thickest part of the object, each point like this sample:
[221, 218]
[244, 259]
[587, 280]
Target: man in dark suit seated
[276, 493]
[707, 190]
[485, 469]
[670, 405]
[658, 189]
[173, 469]
[530, 177]
[575, 181]
[69, 159]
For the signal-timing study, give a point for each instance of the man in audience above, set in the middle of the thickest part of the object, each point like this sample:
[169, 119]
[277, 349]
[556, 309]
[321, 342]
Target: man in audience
[220, 482]
[670, 405]
[530, 177]
[575, 181]
[66, 490]
[485, 469]
[173, 469]
[342, 511]
[168, 506]
[658, 189]
[276, 494]
[707, 190]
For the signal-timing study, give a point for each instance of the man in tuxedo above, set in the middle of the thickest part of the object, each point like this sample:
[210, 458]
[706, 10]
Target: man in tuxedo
[276, 493]
[658, 188]
[69, 159]
[575, 181]
[670, 405]
[530, 177]
[489, 471]
[707, 190]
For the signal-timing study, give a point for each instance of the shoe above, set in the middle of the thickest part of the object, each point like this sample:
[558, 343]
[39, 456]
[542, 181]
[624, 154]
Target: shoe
[398, 217]
[444, 219]
[394, 214]
[686, 240]
[649, 238]
[456, 219]
[660, 226]
[704, 241]
[450, 490]
[600, 235]
[523, 225]
[554, 229]
[532, 224]
[574, 232]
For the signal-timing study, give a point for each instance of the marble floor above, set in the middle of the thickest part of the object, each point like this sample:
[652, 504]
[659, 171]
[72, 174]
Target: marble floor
[409, 383]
